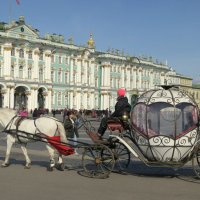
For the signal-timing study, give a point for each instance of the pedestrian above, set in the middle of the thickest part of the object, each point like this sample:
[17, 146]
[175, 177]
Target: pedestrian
[35, 113]
[70, 129]
[122, 106]
[23, 112]
[54, 113]
[64, 114]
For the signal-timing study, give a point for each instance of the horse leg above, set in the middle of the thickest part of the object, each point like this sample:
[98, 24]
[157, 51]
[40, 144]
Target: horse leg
[28, 161]
[52, 159]
[60, 164]
[10, 142]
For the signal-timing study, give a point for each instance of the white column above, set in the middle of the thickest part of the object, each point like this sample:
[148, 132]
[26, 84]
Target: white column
[140, 78]
[86, 71]
[7, 60]
[162, 77]
[102, 102]
[123, 77]
[6, 97]
[78, 100]
[49, 98]
[92, 102]
[25, 68]
[92, 75]
[79, 71]
[85, 99]
[12, 90]
[102, 76]
[71, 72]
[47, 66]
[71, 99]
[151, 80]
[36, 60]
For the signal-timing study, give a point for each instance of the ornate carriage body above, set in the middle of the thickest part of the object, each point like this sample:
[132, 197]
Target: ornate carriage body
[165, 123]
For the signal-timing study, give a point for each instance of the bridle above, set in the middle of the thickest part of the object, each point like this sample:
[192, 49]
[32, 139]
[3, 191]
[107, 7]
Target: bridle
[6, 129]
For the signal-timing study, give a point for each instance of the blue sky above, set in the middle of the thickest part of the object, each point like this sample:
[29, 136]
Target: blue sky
[164, 29]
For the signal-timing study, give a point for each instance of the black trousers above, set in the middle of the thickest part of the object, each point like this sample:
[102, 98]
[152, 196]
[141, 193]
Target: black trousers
[103, 125]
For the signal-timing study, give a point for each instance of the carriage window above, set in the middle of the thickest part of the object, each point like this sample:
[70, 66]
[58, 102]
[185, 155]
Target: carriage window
[139, 118]
[189, 118]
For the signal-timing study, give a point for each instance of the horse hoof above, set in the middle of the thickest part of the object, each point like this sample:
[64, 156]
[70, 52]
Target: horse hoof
[28, 166]
[5, 165]
[61, 167]
[49, 169]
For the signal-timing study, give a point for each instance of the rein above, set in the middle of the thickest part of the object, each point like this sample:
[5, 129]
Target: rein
[9, 124]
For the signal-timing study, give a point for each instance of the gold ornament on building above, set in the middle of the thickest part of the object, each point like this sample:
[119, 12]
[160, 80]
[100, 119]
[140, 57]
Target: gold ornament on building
[90, 42]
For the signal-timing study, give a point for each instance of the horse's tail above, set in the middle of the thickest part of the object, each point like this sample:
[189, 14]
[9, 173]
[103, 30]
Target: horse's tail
[61, 131]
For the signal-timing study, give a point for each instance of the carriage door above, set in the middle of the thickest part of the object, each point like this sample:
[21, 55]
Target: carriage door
[20, 98]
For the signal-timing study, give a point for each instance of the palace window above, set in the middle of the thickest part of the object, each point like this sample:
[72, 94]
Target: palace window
[29, 73]
[30, 55]
[21, 53]
[41, 56]
[60, 76]
[60, 60]
[41, 75]
[52, 76]
[59, 98]
[52, 59]
[53, 98]
[13, 52]
[21, 72]
[12, 71]
[66, 100]
[66, 61]
[66, 77]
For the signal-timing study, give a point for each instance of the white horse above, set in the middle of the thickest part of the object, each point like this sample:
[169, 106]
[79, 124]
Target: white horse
[41, 126]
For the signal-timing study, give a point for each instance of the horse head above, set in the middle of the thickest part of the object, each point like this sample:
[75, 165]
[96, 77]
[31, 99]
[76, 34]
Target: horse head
[6, 115]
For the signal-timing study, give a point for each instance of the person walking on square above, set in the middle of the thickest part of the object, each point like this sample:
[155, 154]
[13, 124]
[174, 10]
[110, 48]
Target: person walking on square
[121, 107]
[70, 128]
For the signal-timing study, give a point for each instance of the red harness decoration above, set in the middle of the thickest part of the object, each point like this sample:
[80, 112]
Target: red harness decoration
[62, 148]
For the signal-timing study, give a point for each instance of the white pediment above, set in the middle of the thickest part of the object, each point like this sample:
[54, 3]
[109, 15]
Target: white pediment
[22, 30]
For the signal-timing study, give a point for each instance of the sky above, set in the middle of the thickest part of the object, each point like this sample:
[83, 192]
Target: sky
[167, 30]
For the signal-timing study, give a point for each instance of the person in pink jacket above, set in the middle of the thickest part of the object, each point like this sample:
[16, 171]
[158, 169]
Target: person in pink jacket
[23, 112]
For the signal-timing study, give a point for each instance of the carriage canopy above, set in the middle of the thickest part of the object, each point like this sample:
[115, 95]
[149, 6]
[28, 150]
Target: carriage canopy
[165, 122]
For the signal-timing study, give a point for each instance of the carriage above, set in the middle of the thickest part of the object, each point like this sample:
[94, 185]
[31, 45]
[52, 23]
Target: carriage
[163, 130]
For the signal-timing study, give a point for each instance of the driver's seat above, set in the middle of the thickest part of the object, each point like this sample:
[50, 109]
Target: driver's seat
[115, 125]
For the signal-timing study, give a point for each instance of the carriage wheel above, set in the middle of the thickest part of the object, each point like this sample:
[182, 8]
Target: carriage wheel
[96, 164]
[121, 155]
[196, 163]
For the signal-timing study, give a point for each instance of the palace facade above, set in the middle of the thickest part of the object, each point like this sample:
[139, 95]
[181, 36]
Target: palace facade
[50, 73]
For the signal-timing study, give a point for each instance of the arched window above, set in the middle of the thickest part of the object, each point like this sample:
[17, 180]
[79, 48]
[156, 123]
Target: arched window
[21, 72]
[21, 53]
